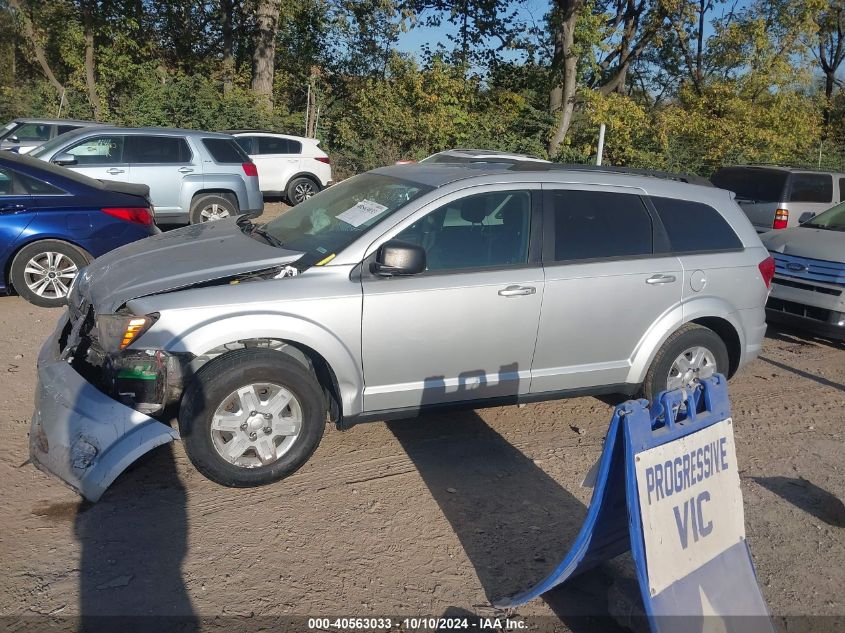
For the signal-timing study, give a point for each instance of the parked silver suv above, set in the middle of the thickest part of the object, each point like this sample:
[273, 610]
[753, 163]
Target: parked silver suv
[193, 176]
[396, 291]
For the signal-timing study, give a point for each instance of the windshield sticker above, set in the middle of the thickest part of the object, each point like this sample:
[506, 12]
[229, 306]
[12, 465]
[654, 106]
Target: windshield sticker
[362, 212]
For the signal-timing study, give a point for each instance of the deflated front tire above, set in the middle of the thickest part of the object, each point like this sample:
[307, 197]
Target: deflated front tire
[251, 417]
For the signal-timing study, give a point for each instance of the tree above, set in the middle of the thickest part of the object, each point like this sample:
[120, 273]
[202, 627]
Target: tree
[564, 68]
[35, 43]
[263, 59]
[830, 48]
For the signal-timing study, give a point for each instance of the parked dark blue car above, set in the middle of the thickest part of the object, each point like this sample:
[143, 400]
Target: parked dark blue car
[54, 221]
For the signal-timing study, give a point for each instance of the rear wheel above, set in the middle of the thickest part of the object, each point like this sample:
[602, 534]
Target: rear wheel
[210, 207]
[43, 271]
[690, 354]
[300, 189]
[252, 417]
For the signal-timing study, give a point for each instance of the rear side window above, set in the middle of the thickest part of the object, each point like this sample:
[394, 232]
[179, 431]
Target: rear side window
[811, 188]
[38, 187]
[271, 145]
[61, 129]
[225, 151]
[693, 226]
[157, 150]
[597, 224]
[7, 187]
[841, 189]
[752, 184]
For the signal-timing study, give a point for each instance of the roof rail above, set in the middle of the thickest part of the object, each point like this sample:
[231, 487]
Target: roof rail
[653, 173]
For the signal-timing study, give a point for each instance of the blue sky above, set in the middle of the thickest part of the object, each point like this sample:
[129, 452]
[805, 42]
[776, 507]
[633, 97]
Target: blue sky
[529, 12]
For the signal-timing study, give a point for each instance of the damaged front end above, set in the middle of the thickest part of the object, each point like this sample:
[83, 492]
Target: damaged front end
[93, 408]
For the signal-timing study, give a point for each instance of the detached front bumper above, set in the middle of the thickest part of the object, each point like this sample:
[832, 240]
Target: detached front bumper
[81, 435]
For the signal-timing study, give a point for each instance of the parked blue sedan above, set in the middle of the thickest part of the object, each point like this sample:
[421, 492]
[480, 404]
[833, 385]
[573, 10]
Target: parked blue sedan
[54, 221]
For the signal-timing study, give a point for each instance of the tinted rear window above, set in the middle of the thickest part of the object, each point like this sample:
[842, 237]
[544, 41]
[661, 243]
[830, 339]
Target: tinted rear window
[751, 183]
[811, 188]
[595, 224]
[693, 226]
[225, 151]
[271, 145]
[156, 149]
[65, 128]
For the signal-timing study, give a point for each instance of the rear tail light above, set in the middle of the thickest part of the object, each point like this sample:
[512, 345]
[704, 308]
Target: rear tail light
[135, 215]
[250, 169]
[767, 270]
[781, 219]
[323, 159]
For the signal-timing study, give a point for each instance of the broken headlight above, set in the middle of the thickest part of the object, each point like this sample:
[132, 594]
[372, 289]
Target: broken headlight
[115, 332]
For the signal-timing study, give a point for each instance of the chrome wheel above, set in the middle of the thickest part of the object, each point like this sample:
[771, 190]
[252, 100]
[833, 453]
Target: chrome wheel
[256, 425]
[214, 212]
[690, 366]
[303, 191]
[50, 274]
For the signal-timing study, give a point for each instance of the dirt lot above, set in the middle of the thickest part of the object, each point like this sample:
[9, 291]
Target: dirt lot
[418, 517]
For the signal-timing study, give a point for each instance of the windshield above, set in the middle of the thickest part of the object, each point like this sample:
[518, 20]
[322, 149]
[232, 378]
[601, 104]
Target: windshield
[47, 148]
[7, 129]
[328, 222]
[831, 220]
[752, 183]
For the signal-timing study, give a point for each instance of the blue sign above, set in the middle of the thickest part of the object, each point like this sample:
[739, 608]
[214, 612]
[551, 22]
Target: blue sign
[668, 489]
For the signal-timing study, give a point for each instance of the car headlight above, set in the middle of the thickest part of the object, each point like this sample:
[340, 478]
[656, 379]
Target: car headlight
[116, 332]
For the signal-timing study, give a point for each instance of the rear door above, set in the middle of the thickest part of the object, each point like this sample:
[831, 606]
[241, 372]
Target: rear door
[100, 157]
[16, 213]
[163, 163]
[605, 286]
[277, 160]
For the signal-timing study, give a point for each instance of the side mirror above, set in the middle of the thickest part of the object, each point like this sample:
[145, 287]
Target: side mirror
[13, 139]
[806, 217]
[398, 258]
[64, 159]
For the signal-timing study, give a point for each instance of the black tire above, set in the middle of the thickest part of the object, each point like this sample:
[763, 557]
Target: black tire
[300, 189]
[38, 251]
[219, 378]
[212, 204]
[687, 336]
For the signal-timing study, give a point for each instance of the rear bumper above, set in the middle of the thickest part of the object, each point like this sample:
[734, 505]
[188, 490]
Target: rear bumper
[81, 435]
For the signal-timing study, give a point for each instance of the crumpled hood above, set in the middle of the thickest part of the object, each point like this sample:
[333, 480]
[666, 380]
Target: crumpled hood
[176, 259]
[807, 242]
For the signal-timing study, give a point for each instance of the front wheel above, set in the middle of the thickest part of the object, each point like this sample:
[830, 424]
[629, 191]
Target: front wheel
[43, 271]
[251, 417]
[692, 353]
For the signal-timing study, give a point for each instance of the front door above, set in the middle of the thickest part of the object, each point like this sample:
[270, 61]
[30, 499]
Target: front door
[605, 288]
[465, 328]
[100, 157]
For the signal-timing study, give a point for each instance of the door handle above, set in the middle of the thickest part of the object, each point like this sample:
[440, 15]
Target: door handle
[517, 291]
[660, 279]
[185, 170]
[114, 170]
[293, 160]
[11, 207]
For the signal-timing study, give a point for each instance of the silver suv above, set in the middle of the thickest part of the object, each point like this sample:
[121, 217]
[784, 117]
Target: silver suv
[403, 289]
[193, 176]
[24, 135]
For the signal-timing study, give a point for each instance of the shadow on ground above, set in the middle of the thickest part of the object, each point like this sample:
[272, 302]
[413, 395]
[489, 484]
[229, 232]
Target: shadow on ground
[514, 521]
[808, 497]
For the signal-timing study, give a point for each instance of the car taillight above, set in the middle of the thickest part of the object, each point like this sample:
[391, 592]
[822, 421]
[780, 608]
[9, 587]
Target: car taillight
[250, 169]
[767, 270]
[781, 219]
[323, 159]
[136, 215]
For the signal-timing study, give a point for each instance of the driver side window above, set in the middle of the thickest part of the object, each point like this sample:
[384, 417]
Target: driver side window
[486, 230]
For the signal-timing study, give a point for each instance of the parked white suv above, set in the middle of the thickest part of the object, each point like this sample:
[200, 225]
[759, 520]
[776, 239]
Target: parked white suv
[292, 166]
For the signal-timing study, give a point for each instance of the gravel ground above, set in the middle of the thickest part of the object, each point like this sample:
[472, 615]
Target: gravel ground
[432, 516]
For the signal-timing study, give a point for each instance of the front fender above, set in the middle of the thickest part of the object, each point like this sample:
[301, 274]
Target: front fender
[342, 356]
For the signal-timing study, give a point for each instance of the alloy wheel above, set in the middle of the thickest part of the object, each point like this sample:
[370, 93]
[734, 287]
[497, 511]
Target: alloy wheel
[50, 274]
[690, 366]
